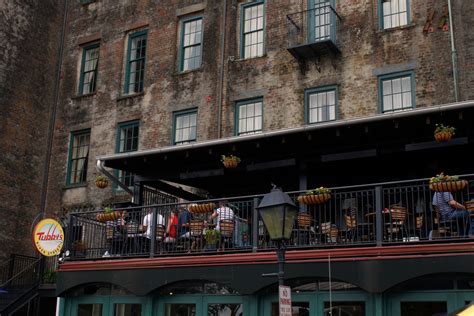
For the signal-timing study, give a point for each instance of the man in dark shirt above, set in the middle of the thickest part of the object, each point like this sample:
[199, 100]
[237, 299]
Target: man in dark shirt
[184, 217]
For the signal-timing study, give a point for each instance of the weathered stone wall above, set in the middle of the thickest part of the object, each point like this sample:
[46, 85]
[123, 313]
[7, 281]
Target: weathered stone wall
[366, 52]
[29, 35]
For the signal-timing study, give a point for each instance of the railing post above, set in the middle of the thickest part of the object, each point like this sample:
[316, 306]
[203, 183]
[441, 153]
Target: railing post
[255, 225]
[70, 227]
[153, 232]
[378, 215]
[11, 268]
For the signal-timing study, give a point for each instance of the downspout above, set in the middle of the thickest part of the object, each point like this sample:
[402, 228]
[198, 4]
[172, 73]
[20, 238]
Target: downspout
[454, 56]
[52, 118]
[221, 72]
[101, 168]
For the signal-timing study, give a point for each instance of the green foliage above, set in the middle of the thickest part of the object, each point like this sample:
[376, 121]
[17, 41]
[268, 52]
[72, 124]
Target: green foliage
[212, 236]
[102, 178]
[319, 190]
[447, 129]
[108, 209]
[231, 157]
[49, 276]
[443, 178]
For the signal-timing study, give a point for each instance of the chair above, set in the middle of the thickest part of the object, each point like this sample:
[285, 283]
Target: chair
[443, 228]
[330, 231]
[160, 236]
[356, 231]
[396, 223]
[196, 231]
[303, 235]
[226, 228]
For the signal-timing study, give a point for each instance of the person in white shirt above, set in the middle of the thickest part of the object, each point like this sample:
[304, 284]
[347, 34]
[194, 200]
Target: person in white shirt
[223, 213]
[147, 224]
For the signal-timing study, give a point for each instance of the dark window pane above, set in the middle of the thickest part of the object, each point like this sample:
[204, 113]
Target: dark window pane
[89, 310]
[127, 310]
[224, 310]
[180, 310]
[297, 309]
[423, 308]
[344, 308]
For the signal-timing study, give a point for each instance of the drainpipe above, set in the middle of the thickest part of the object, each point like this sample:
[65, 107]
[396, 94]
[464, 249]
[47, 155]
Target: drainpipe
[221, 73]
[52, 118]
[453, 54]
[101, 168]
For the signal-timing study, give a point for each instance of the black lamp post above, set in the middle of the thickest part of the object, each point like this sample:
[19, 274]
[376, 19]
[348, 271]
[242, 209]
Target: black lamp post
[278, 214]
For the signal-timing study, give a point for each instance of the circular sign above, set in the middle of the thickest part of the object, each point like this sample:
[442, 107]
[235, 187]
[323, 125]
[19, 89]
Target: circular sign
[48, 237]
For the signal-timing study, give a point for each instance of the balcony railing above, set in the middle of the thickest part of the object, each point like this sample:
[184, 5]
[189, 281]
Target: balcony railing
[312, 33]
[366, 215]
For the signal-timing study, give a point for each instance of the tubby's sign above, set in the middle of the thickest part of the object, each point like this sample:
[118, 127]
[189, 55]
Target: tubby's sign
[48, 237]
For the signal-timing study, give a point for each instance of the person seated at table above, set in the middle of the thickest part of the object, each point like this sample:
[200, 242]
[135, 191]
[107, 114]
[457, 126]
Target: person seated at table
[147, 226]
[116, 235]
[223, 213]
[171, 225]
[449, 208]
[184, 217]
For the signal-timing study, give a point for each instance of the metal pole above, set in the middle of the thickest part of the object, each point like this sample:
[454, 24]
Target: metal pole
[453, 53]
[281, 262]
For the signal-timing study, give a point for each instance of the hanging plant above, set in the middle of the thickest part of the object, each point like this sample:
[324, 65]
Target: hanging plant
[101, 182]
[110, 215]
[230, 162]
[443, 133]
[316, 196]
[201, 208]
[445, 183]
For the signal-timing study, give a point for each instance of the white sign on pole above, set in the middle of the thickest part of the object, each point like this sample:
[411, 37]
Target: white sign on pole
[284, 301]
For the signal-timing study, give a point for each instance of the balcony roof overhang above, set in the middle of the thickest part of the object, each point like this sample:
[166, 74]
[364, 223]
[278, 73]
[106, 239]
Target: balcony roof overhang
[289, 150]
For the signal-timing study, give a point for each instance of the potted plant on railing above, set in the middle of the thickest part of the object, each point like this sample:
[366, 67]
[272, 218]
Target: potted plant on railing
[212, 238]
[109, 215]
[443, 133]
[316, 196]
[101, 182]
[445, 183]
[230, 162]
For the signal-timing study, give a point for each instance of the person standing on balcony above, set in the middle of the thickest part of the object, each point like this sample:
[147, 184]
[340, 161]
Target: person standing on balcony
[449, 208]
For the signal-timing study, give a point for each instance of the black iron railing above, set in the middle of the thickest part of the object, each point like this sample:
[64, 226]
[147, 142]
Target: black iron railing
[365, 215]
[311, 26]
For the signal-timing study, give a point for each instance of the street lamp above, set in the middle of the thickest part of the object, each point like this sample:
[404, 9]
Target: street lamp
[278, 214]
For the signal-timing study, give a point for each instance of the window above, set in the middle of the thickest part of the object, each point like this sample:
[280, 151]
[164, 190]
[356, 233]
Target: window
[249, 117]
[185, 127]
[321, 20]
[397, 92]
[394, 13]
[321, 104]
[127, 141]
[252, 30]
[89, 65]
[78, 156]
[135, 72]
[191, 44]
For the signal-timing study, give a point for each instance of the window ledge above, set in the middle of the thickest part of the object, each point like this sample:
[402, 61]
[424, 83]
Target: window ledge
[130, 96]
[398, 28]
[200, 69]
[250, 59]
[83, 96]
[74, 186]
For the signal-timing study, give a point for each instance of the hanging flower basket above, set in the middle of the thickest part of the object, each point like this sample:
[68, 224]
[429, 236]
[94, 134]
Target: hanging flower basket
[443, 133]
[316, 196]
[202, 208]
[445, 183]
[110, 215]
[230, 162]
[101, 182]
